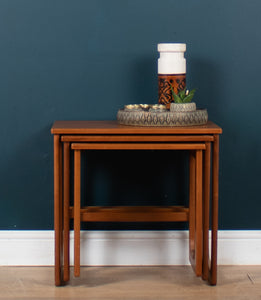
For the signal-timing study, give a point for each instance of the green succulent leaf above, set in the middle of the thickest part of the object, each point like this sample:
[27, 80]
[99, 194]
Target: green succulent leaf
[189, 97]
[175, 96]
[182, 94]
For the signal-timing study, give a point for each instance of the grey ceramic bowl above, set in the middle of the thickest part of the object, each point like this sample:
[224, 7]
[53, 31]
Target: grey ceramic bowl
[182, 107]
[162, 118]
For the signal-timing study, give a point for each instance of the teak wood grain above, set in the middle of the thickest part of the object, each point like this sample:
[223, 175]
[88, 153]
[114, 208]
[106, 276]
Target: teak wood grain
[112, 127]
[137, 138]
[66, 207]
[150, 215]
[77, 207]
[202, 142]
[133, 214]
[136, 146]
[206, 207]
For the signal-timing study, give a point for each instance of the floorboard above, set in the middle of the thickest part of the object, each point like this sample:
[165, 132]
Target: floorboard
[124, 283]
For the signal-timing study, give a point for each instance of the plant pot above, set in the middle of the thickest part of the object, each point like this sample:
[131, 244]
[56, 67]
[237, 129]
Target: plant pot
[183, 107]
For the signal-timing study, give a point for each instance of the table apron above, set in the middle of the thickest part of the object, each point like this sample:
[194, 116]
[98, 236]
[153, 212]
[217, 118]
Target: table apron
[137, 138]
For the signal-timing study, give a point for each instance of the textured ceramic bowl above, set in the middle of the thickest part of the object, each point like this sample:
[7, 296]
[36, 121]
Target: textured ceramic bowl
[183, 107]
[162, 118]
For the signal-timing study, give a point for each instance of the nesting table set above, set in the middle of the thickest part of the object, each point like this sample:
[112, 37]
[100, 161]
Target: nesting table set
[202, 142]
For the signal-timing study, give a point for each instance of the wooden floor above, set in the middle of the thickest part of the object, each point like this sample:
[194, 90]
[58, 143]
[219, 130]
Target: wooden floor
[135, 283]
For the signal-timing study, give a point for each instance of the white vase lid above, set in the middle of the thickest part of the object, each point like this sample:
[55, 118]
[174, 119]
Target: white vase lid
[171, 47]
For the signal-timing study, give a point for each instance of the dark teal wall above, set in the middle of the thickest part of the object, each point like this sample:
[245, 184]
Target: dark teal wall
[72, 60]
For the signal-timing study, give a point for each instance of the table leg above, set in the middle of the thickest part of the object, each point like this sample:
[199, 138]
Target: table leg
[195, 211]
[192, 206]
[206, 195]
[77, 208]
[214, 212]
[66, 207]
[58, 214]
[198, 253]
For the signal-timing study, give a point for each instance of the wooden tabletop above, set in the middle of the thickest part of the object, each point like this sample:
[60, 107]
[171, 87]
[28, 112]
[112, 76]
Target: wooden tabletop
[112, 127]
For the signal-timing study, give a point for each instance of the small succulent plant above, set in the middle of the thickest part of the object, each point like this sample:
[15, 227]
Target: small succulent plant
[183, 96]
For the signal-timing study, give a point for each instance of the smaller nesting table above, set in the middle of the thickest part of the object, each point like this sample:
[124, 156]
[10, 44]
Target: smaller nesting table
[202, 142]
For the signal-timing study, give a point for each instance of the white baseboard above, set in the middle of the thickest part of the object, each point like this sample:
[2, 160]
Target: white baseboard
[30, 248]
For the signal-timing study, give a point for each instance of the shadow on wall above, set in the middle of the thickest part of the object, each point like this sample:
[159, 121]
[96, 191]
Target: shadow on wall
[27, 184]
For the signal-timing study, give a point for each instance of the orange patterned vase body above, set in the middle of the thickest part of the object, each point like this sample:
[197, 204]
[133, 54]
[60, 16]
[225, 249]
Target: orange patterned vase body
[178, 83]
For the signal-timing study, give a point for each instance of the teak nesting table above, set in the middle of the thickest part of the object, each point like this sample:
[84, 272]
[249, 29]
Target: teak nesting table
[202, 142]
